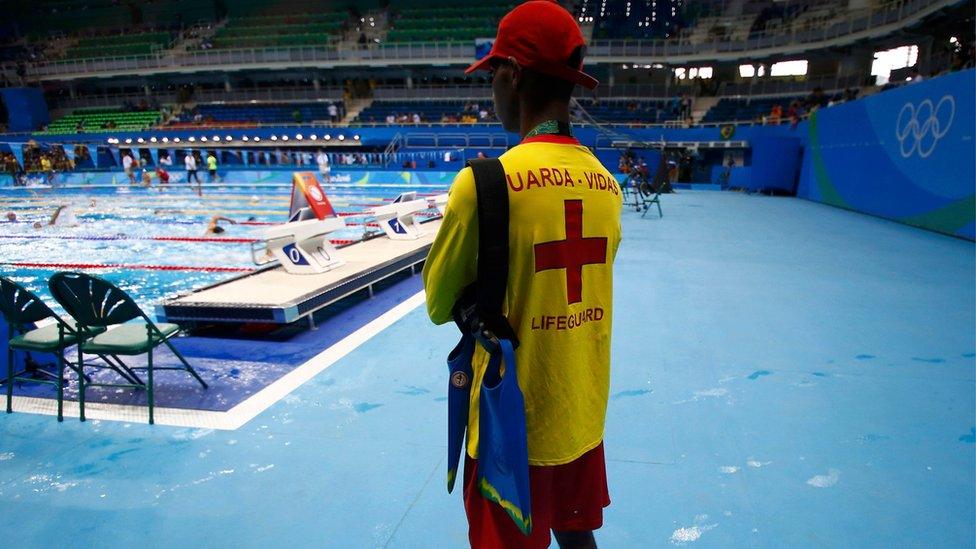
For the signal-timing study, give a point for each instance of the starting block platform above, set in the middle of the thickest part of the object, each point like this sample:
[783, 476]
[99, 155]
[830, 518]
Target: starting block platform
[274, 295]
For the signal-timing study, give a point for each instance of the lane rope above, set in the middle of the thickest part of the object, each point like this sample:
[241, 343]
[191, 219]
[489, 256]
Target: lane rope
[131, 267]
[211, 239]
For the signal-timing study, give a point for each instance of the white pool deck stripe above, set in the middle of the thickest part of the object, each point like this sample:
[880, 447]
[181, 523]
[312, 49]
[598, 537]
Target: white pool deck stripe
[244, 412]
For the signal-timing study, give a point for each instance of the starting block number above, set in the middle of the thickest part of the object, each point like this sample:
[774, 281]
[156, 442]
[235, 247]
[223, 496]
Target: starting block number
[294, 255]
[396, 226]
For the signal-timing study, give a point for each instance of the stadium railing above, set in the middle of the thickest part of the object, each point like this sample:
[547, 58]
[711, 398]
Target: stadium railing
[857, 25]
[766, 87]
[757, 88]
[277, 94]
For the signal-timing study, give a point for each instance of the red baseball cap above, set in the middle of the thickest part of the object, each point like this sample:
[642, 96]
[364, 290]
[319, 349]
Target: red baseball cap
[541, 35]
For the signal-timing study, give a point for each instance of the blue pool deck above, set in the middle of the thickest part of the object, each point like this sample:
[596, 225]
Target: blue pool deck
[785, 374]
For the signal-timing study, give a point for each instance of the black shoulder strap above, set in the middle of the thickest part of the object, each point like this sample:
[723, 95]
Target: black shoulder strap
[492, 192]
[489, 182]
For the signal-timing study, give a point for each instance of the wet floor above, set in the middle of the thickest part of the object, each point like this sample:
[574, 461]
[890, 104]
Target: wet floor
[785, 374]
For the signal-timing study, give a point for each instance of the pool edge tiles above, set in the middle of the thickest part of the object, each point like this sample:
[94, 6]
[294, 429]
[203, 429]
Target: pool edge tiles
[246, 410]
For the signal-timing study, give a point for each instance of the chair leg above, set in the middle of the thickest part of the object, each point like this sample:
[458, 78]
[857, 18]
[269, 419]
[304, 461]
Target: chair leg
[76, 368]
[10, 379]
[81, 385]
[658, 202]
[187, 364]
[60, 382]
[149, 387]
[120, 368]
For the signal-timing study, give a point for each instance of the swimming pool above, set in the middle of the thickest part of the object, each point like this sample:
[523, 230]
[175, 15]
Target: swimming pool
[152, 242]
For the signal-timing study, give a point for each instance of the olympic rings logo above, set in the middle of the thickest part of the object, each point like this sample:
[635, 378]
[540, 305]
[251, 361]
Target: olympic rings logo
[920, 129]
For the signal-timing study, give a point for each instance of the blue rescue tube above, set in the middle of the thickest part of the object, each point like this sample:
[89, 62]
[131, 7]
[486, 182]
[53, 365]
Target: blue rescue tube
[503, 454]
[458, 398]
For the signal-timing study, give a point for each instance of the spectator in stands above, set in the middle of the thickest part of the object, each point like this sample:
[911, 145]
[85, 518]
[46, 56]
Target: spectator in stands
[795, 113]
[296, 115]
[129, 165]
[390, 119]
[415, 118]
[333, 112]
[8, 164]
[776, 114]
[212, 166]
[674, 106]
[47, 168]
[816, 99]
[686, 107]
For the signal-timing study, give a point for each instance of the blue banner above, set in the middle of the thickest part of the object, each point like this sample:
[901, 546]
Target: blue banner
[18, 150]
[904, 154]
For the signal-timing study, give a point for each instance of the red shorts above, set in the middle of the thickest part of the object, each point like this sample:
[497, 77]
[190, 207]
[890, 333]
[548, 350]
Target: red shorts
[568, 497]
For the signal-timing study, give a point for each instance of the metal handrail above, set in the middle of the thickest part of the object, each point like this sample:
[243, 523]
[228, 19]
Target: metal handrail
[855, 22]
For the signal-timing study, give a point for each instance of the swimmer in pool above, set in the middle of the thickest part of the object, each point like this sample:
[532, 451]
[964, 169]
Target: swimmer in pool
[214, 228]
[62, 216]
[11, 217]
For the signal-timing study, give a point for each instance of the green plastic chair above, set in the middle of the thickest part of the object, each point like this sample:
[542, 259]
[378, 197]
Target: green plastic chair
[22, 308]
[649, 196]
[94, 302]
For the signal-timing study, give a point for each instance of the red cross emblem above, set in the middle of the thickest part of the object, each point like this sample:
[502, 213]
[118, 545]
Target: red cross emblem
[574, 252]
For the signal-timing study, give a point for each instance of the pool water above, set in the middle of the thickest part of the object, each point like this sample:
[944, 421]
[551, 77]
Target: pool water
[132, 238]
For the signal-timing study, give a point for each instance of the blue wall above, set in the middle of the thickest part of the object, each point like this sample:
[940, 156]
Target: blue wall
[775, 164]
[906, 154]
[18, 356]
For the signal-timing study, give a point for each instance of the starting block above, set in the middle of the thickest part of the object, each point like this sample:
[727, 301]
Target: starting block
[302, 245]
[397, 219]
[439, 202]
